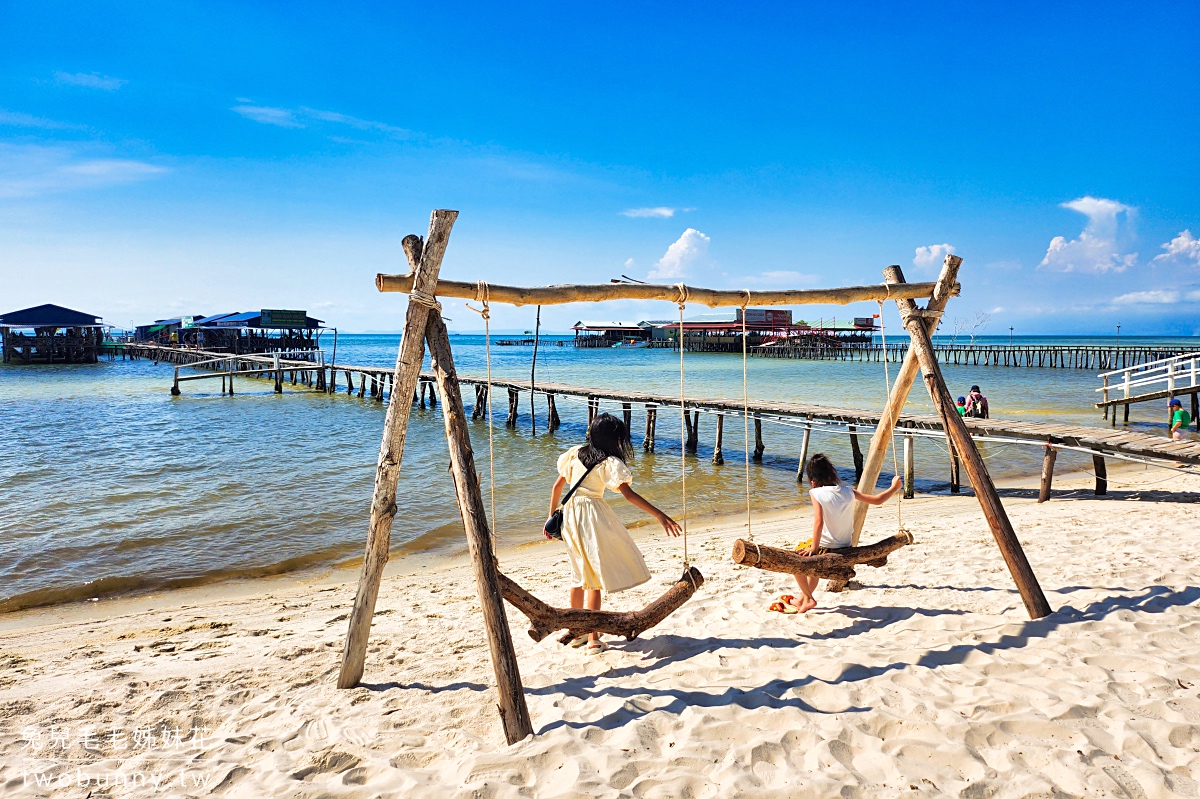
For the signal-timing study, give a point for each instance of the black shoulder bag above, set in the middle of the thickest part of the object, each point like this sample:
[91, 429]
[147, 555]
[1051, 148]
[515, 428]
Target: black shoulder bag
[553, 528]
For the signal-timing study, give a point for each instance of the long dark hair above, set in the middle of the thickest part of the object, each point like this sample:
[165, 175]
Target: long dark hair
[607, 437]
[821, 471]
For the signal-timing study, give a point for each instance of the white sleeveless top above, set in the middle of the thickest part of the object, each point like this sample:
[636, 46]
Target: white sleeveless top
[837, 505]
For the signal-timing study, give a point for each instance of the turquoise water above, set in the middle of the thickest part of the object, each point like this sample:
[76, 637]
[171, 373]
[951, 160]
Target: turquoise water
[111, 484]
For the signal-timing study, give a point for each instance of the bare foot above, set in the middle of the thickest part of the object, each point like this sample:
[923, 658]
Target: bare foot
[805, 605]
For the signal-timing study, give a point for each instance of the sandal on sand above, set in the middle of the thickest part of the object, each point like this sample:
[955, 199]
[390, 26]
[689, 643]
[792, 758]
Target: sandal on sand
[788, 599]
[783, 607]
[597, 647]
[575, 643]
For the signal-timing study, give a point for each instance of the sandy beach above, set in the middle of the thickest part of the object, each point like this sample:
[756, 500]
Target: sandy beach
[927, 679]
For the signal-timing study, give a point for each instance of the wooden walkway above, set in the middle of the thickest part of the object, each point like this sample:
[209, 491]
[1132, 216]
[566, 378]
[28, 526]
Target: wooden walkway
[1021, 355]
[375, 380]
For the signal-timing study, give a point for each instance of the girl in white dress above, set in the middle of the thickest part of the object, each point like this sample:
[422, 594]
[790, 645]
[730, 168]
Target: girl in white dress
[603, 555]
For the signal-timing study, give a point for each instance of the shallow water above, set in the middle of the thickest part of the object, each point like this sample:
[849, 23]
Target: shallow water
[111, 484]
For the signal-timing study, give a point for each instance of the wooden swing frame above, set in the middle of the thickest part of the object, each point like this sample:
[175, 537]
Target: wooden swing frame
[424, 325]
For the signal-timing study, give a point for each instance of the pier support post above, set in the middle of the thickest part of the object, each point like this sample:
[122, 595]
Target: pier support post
[804, 442]
[1195, 409]
[278, 376]
[175, 385]
[514, 713]
[915, 322]
[593, 406]
[955, 477]
[856, 452]
[426, 261]
[481, 399]
[905, 377]
[718, 456]
[692, 439]
[514, 398]
[651, 421]
[628, 409]
[1101, 471]
[1047, 473]
[1126, 414]
[552, 420]
[758, 442]
[909, 470]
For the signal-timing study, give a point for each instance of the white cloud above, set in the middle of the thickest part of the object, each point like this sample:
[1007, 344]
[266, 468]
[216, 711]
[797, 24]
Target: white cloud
[30, 170]
[1103, 244]
[267, 115]
[1184, 247]
[660, 212]
[303, 116]
[682, 255]
[90, 80]
[931, 257]
[781, 277]
[628, 263]
[1157, 297]
[20, 120]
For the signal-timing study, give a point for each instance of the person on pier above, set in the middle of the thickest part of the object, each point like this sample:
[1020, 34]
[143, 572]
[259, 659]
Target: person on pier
[1180, 419]
[603, 555]
[833, 524]
[977, 404]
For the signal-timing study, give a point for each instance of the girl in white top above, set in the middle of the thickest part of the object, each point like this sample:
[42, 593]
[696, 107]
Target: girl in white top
[833, 518]
[603, 555]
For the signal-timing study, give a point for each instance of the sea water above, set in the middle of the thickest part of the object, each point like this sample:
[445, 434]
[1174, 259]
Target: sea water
[110, 484]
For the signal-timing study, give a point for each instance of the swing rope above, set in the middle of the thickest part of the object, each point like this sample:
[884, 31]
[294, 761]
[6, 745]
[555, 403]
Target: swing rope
[746, 417]
[887, 382]
[483, 295]
[682, 302]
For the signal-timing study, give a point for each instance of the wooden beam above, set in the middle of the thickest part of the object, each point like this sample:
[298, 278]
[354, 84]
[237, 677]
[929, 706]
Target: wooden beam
[985, 491]
[713, 298]
[426, 264]
[514, 713]
[581, 621]
[902, 386]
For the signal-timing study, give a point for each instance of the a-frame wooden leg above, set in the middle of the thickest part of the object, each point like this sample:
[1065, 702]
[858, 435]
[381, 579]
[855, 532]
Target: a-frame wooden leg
[514, 714]
[901, 388]
[426, 261]
[1002, 529]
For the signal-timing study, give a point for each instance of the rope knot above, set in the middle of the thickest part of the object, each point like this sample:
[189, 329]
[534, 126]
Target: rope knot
[425, 298]
[682, 299]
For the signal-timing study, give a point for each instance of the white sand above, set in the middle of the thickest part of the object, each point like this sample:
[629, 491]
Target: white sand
[927, 680]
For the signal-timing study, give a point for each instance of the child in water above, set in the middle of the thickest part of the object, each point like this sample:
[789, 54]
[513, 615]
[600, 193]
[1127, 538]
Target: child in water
[603, 555]
[833, 522]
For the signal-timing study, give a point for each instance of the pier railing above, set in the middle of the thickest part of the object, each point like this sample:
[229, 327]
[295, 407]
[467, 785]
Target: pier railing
[1049, 356]
[1164, 378]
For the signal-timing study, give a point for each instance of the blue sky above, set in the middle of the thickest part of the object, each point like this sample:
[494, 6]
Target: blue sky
[198, 158]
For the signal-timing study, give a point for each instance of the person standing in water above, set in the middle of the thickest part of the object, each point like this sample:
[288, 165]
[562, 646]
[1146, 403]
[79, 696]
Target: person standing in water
[603, 555]
[1180, 419]
[977, 404]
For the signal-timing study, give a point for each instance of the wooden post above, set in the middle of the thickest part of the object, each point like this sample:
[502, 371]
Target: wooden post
[1195, 409]
[955, 483]
[278, 376]
[804, 450]
[628, 409]
[758, 442]
[593, 406]
[514, 398]
[651, 421]
[514, 714]
[552, 419]
[909, 475]
[175, 385]
[692, 439]
[718, 456]
[426, 261]
[1101, 475]
[856, 452]
[1047, 473]
[481, 399]
[422, 387]
[902, 386]
[989, 500]
[1126, 414]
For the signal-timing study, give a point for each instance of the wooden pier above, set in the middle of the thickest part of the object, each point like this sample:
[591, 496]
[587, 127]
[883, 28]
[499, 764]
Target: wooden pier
[1019, 355]
[375, 382]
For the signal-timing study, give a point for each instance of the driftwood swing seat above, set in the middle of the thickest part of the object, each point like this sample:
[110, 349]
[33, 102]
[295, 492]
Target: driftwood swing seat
[837, 567]
[545, 619]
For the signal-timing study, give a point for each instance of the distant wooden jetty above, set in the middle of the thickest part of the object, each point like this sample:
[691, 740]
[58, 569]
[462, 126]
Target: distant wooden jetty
[375, 382]
[1019, 355]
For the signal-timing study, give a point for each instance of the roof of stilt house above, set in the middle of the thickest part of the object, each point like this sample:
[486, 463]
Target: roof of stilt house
[49, 315]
